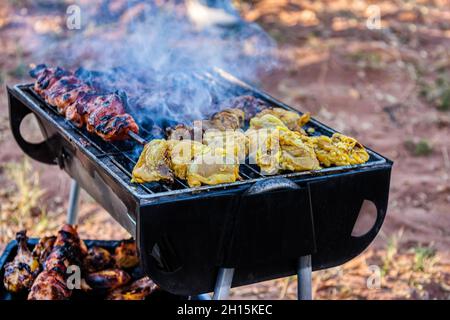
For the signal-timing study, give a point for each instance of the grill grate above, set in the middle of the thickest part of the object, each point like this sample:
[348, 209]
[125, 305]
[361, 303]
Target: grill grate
[124, 155]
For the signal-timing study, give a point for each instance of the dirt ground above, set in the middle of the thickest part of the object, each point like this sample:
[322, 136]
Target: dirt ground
[389, 87]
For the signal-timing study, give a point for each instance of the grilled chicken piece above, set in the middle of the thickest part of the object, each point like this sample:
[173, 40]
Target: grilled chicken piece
[286, 150]
[108, 279]
[138, 290]
[266, 121]
[228, 119]
[67, 250]
[181, 154]
[78, 111]
[49, 285]
[43, 249]
[21, 272]
[180, 132]
[98, 259]
[46, 77]
[214, 166]
[248, 104]
[153, 163]
[292, 120]
[103, 115]
[64, 92]
[126, 255]
[233, 141]
[339, 150]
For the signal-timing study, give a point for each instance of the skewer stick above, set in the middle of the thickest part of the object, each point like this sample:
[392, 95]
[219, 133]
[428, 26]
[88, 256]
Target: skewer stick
[137, 138]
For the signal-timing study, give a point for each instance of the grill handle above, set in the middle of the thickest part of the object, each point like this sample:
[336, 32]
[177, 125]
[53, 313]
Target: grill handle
[271, 184]
[37, 151]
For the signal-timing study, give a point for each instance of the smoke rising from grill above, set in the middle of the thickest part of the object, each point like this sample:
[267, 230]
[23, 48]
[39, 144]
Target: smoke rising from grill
[153, 51]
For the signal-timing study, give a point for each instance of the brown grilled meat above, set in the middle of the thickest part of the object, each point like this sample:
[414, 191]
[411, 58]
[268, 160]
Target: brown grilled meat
[46, 77]
[108, 279]
[138, 290]
[180, 132]
[103, 114]
[126, 255]
[21, 272]
[98, 259]
[228, 119]
[67, 250]
[43, 249]
[248, 104]
[50, 285]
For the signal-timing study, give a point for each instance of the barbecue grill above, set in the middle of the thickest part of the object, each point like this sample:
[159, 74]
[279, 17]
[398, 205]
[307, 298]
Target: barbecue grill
[210, 238]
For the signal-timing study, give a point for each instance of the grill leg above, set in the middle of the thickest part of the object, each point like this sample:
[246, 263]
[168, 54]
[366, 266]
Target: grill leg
[304, 278]
[223, 283]
[72, 210]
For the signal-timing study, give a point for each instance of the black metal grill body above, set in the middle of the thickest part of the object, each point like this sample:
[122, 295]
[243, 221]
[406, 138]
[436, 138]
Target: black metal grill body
[259, 226]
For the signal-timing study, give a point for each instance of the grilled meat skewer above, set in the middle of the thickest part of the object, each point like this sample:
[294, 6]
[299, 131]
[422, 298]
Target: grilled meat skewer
[102, 113]
[21, 272]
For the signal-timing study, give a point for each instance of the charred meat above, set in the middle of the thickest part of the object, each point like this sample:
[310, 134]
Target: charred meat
[67, 250]
[108, 279]
[228, 119]
[138, 290]
[103, 113]
[126, 255]
[21, 272]
[50, 285]
[98, 259]
[248, 104]
[43, 249]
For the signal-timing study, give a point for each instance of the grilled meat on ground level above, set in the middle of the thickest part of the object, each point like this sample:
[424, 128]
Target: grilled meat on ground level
[21, 272]
[108, 279]
[68, 249]
[138, 290]
[97, 259]
[125, 254]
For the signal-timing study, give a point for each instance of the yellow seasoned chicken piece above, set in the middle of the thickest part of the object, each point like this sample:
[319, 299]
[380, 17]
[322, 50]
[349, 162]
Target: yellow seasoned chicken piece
[181, 153]
[153, 163]
[292, 120]
[286, 150]
[339, 150]
[214, 166]
[233, 141]
[266, 121]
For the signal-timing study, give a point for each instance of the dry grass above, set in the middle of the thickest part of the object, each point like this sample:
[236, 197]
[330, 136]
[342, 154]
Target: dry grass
[20, 206]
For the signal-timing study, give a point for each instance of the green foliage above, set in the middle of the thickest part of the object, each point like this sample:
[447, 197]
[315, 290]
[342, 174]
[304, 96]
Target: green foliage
[438, 92]
[420, 148]
[422, 257]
